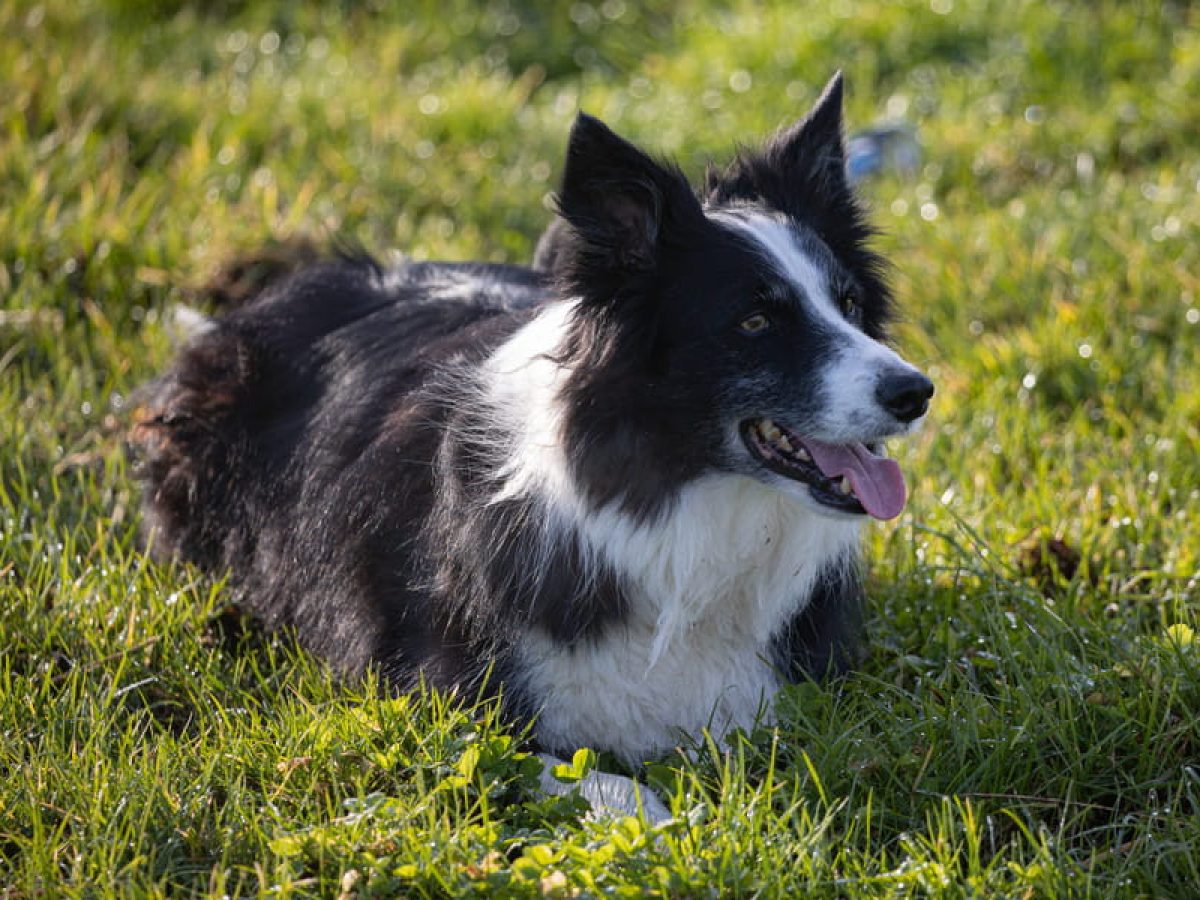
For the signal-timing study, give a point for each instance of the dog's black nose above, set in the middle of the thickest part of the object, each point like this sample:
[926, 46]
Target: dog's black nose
[905, 394]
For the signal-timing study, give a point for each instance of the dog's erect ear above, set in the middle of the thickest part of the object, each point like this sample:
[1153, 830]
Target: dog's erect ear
[814, 146]
[800, 169]
[617, 199]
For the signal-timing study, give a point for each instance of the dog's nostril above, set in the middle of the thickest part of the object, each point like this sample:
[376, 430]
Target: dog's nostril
[905, 395]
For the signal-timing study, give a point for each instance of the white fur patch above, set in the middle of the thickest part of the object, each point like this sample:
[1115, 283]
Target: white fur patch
[709, 582]
[185, 324]
[524, 383]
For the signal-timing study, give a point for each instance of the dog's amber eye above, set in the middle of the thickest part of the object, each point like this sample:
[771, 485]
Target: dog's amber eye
[755, 323]
[848, 303]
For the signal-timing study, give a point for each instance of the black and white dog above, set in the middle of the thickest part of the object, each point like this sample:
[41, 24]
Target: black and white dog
[626, 487]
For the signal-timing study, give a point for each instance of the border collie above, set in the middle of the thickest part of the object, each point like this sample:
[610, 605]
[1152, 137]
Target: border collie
[626, 485]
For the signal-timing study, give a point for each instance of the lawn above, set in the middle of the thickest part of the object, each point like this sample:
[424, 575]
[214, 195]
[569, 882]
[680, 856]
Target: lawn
[1026, 718]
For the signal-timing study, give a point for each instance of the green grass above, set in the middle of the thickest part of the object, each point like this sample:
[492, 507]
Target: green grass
[1011, 732]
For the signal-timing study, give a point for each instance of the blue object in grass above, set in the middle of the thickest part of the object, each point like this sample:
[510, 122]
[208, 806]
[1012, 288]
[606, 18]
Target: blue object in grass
[891, 147]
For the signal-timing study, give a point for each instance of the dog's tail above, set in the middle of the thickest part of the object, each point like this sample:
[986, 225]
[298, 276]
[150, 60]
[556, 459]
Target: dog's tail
[187, 431]
[237, 282]
[188, 439]
[186, 442]
[245, 276]
[196, 434]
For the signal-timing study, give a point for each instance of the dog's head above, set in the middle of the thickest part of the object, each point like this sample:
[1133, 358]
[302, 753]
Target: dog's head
[738, 330]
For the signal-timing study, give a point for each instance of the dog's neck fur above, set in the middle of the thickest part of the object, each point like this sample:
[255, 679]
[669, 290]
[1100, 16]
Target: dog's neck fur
[709, 580]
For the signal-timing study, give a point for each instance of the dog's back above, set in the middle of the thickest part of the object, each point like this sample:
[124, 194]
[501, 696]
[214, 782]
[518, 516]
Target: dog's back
[293, 443]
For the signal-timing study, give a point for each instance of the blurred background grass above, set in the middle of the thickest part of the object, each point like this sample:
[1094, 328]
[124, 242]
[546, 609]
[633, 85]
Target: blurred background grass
[1046, 256]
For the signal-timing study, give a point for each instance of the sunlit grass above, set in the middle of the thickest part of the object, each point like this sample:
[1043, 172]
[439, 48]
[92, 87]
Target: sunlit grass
[1014, 729]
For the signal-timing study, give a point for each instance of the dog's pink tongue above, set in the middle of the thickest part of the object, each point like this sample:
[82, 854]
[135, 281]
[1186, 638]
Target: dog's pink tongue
[877, 481]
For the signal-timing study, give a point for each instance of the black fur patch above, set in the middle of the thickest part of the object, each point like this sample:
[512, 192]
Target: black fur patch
[821, 640]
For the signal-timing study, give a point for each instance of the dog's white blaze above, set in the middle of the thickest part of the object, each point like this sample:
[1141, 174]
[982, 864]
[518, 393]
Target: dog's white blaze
[708, 582]
[851, 411]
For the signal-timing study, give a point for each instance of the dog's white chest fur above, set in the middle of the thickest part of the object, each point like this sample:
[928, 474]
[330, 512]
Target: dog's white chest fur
[605, 694]
[709, 585]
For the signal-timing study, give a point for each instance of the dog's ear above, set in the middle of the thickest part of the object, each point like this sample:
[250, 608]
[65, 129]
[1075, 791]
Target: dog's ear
[617, 199]
[814, 146]
[801, 164]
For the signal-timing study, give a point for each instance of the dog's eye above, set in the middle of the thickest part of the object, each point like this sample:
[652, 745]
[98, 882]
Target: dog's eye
[755, 323]
[847, 302]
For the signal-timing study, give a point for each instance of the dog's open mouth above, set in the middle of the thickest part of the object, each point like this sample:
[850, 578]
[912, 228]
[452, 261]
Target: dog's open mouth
[852, 478]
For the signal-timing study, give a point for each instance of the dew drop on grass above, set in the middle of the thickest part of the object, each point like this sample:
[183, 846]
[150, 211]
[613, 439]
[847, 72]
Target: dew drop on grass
[1085, 166]
[613, 9]
[318, 48]
[508, 25]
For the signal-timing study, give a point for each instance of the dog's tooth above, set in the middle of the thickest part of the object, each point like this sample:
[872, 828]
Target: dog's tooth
[844, 485]
[785, 444]
[803, 454]
[770, 430]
